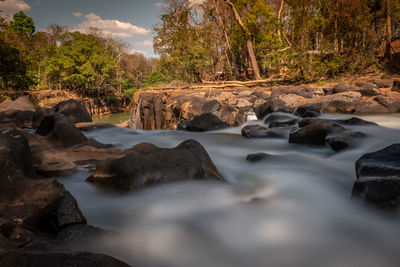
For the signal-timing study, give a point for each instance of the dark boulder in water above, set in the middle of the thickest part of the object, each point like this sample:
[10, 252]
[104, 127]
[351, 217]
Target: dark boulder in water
[263, 110]
[204, 122]
[39, 259]
[314, 133]
[258, 131]
[257, 157]
[288, 123]
[341, 141]
[378, 177]
[73, 110]
[148, 164]
[277, 116]
[307, 112]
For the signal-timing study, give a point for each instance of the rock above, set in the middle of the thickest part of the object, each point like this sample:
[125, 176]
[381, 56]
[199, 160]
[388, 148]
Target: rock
[383, 83]
[370, 107]
[40, 259]
[206, 122]
[60, 131]
[341, 102]
[305, 112]
[147, 164]
[22, 103]
[258, 131]
[378, 177]
[14, 235]
[303, 91]
[367, 89]
[263, 110]
[382, 163]
[396, 85]
[257, 157]
[15, 159]
[341, 88]
[73, 110]
[354, 121]
[211, 106]
[341, 141]
[40, 114]
[287, 123]
[392, 104]
[33, 203]
[315, 133]
[16, 119]
[287, 103]
[244, 105]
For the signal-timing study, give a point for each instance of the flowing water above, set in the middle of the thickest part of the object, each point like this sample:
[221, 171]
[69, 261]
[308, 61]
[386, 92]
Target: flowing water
[294, 209]
[113, 118]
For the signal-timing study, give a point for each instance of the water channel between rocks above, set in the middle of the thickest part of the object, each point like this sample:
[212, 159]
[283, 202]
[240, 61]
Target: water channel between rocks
[291, 210]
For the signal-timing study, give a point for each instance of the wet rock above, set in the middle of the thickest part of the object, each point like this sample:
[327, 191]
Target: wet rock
[382, 163]
[307, 112]
[396, 85]
[22, 103]
[288, 123]
[60, 131]
[244, 105]
[378, 177]
[206, 122]
[287, 103]
[263, 110]
[258, 131]
[183, 125]
[147, 164]
[367, 89]
[354, 121]
[40, 259]
[341, 141]
[14, 236]
[315, 133]
[33, 203]
[73, 110]
[257, 157]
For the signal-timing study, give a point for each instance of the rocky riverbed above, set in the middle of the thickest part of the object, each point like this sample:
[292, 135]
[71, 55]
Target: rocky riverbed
[207, 195]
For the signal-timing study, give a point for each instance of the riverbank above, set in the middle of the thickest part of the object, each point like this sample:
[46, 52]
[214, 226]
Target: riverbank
[166, 108]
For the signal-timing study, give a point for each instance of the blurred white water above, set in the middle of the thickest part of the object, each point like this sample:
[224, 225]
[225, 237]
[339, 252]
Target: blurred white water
[291, 210]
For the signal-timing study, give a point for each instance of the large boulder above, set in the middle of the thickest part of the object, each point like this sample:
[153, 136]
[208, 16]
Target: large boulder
[392, 104]
[307, 112]
[341, 102]
[73, 110]
[263, 110]
[41, 259]
[60, 131]
[378, 177]
[368, 89]
[342, 87]
[22, 103]
[287, 102]
[33, 203]
[148, 164]
[314, 133]
[205, 122]
[258, 131]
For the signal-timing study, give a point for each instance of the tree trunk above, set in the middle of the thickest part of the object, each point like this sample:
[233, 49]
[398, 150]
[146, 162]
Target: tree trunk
[388, 30]
[250, 49]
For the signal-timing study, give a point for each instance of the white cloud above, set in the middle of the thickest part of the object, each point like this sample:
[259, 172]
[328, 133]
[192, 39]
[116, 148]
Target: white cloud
[113, 28]
[134, 51]
[11, 7]
[77, 14]
[144, 43]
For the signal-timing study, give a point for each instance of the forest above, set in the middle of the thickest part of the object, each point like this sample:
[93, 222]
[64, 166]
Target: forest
[301, 40]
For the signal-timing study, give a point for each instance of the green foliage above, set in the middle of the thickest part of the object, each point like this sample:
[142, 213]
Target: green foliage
[130, 92]
[154, 78]
[22, 24]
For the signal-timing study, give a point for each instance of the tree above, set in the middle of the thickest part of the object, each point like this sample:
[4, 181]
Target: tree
[22, 24]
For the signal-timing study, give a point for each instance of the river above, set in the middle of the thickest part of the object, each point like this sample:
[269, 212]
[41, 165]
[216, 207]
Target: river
[292, 210]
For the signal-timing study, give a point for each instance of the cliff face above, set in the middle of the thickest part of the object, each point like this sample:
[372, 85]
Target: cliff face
[165, 109]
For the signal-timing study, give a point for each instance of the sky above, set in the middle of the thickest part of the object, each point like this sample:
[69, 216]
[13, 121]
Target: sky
[131, 21]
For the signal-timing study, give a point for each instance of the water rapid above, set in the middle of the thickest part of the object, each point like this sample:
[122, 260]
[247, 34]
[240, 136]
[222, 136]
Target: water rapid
[294, 209]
